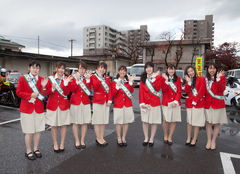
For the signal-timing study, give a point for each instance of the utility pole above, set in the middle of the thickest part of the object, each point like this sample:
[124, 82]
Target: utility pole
[72, 40]
[38, 44]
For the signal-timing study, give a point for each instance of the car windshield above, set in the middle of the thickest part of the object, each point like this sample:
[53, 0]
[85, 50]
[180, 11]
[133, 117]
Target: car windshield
[14, 77]
[138, 70]
[180, 74]
[237, 74]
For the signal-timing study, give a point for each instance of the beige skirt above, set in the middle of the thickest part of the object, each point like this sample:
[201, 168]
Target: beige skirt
[58, 117]
[172, 114]
[100, 114]
[216, 116]
[32, 123]
[123, 115]
[196, 116]
[152, 115]
[80, 114]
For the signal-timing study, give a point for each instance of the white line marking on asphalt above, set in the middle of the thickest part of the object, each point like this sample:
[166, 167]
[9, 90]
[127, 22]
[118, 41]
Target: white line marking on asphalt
[227, 162]
[9, 107]
[10, 121]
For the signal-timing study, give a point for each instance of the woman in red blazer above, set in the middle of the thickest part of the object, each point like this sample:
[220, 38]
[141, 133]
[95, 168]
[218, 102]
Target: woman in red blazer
[31, 89]
[215, 105]
[195, 103]
[58, 105]
[102, 99]
[80, 110]
[122, 89]
[171, 104]
[149, 100]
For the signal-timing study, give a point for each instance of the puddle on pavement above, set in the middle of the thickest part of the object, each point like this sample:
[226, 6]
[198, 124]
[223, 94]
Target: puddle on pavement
[233, 126]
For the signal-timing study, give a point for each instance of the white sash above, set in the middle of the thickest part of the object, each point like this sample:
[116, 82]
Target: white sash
[33, 86]
[58, 87]
[219, 97]
[173, 86]
[83, 86]
[194, 91]
[104, 84]
[150, 87]
[125, 90]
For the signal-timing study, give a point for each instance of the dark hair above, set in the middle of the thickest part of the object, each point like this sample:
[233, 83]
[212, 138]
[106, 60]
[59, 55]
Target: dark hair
[195, 76]
[34, 62]
[60, 64]
[83, 64]
[175, 77]
[122, 67]
[104, 65]
[207, 73]
[144, 74]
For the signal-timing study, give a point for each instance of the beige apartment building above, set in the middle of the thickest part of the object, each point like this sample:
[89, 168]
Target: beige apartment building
[197, 29]
[102, 39]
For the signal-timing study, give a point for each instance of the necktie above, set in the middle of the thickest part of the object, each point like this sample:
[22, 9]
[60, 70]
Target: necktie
[150, 78]
[34, 80]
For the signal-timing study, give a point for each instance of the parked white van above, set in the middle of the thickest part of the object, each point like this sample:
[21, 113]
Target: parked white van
[234, 73]
[138, 70]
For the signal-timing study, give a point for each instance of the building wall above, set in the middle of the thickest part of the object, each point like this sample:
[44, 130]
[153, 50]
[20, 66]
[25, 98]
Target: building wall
[159, 57]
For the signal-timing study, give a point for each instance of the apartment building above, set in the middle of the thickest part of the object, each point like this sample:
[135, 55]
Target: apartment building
[196, 29]
[102, 39]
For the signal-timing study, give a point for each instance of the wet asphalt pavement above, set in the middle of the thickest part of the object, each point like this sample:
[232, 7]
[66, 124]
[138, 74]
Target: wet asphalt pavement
[134, 158]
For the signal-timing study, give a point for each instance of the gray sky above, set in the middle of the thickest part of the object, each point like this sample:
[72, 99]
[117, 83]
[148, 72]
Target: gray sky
[58, 21]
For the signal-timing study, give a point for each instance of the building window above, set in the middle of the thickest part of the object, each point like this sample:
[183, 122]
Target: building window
[87, 40]
[99, 39]
[105, 44]
[99, 45]
[189, 22]
[87, 35]
[87, 45]
[106, 33]
[105, 39]
[87, 30]
[99, 34]
[99, 28]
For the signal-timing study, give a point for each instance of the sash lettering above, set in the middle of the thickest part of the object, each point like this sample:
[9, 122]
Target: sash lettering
[58, 87]
[173, 86]
[125, 90]
[33, 86]
[104, 84]
[150, 87]
[82, 85]
[219, 97]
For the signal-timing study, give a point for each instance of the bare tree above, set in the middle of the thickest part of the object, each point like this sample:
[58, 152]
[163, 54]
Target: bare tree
[169, 37]
[131, 47]
[195, 42]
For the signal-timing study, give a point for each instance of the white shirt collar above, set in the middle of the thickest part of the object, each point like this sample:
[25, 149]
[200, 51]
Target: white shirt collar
[36, 77]
[57, 76]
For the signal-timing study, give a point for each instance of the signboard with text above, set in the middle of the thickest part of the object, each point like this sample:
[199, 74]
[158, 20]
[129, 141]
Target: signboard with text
[198, 66]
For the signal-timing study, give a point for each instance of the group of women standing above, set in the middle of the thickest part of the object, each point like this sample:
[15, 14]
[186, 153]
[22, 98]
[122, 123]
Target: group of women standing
[32, 88]
[204, 102]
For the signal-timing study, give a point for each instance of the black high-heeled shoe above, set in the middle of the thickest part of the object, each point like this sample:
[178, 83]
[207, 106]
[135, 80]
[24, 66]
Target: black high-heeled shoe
[145, 143]
[191, 145]
[189, 142]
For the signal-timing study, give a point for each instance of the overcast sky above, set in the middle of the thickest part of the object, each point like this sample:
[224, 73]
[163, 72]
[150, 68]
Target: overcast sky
[58, 21]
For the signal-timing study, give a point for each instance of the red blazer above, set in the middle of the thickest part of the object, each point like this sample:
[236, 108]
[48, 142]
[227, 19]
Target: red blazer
[100, 96]
[120, 98]
[24, 91]
[55, 100]
[78, 95]
[145, 95]
[217, 88]
[169, 95]
[199, 99]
